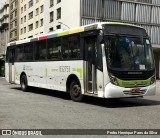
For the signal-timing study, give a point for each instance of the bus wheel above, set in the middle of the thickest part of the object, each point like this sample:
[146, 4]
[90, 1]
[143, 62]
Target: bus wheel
[75, 91]
[24, 83]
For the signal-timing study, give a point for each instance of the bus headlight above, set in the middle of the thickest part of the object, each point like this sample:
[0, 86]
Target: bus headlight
[153, 79]
[113, 79]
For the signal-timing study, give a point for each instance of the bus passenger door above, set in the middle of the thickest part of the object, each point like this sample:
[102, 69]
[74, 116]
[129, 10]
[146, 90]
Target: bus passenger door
[93, 57]
[11, 65]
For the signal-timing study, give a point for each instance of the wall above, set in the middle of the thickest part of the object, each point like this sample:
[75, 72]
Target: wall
[4, 22]
[146, 14]
[36, 17]
[70, 14]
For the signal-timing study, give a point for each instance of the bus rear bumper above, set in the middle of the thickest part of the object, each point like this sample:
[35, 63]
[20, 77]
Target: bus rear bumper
[113, 91]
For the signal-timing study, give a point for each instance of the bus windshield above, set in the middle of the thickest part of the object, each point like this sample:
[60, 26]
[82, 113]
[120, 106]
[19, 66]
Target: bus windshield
[128, 53]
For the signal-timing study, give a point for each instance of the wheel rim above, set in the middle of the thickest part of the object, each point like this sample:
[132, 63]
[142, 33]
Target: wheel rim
[76, 90]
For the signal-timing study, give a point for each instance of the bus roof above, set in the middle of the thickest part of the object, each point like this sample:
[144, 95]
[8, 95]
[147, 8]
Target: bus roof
[60, 33]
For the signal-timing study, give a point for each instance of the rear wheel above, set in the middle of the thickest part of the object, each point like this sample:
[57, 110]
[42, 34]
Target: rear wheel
[75, 91]
[24, 83]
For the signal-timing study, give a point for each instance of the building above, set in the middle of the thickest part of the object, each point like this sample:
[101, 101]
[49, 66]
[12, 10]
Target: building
[40, 16]
[64, 14]
[4, 31]
[4, 23]
[61, 16]
[31, 18]
[13, 20]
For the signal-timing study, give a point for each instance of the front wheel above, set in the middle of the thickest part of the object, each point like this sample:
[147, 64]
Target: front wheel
[24, 83]
[75, 91]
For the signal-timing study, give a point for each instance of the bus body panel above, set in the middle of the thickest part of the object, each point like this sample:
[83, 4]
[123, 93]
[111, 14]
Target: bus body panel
[50, 75]
[100, 82]
[59, 71]
[10, 72]
[113, 91]
[7, 71]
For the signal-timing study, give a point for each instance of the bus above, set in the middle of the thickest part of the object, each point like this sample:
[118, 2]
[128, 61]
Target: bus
[105, 59]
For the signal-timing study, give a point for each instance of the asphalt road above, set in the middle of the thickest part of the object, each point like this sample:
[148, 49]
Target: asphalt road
[45, 109]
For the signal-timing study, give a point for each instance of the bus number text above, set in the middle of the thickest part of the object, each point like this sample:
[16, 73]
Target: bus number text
[64, 68]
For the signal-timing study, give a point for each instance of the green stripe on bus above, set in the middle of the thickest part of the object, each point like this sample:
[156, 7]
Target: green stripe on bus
[79, 70]
[134, 83]
[63, 33]
[46, 72]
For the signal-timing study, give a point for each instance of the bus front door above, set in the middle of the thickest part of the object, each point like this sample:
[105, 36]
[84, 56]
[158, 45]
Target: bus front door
[91, 74]
[93, 56]
[11, 66]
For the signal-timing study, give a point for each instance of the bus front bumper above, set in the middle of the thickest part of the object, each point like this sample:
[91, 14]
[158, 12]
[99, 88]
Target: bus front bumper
[113, 91]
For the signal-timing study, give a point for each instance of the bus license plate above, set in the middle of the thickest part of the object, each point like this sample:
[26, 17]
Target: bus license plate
[135, 90]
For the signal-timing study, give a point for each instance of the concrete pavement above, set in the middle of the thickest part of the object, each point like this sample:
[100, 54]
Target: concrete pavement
[44, 109]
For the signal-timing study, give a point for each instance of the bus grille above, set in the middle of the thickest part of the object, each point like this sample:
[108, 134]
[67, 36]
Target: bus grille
[141, 92]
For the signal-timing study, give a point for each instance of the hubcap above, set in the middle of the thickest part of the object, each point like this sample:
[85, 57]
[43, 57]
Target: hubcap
[76, 90]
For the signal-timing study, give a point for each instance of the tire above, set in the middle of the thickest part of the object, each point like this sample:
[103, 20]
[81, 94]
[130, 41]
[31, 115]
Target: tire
[24, 83]
[75, 91]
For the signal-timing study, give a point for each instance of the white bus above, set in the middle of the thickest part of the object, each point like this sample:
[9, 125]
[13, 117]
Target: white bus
[107, 60]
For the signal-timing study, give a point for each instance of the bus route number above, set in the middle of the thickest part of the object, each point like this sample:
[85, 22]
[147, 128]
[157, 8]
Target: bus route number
[64, 68]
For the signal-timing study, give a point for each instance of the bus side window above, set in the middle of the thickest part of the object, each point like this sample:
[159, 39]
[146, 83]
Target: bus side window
[54, 49]
[74, 47]
[65, 46]
[93, 52]
[28, 52]
[90, 43]
[11, 55]
[40, 50]
[19, 53]
[98, 52]
[59, 45]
